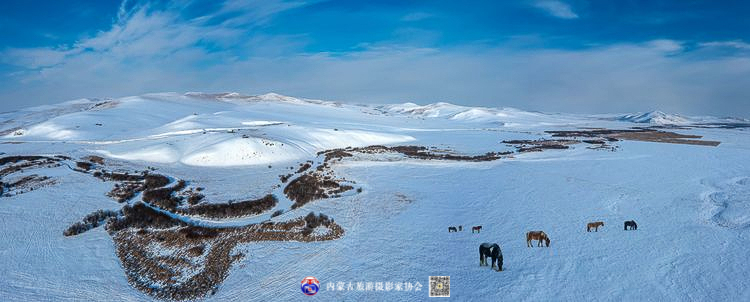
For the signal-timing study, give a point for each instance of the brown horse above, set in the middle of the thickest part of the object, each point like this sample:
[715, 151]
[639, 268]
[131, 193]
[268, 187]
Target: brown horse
[476, 228]
[536, 235]
[594, 225]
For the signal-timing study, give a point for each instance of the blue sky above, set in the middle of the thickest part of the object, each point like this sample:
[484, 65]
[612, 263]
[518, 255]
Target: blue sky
[689, 57]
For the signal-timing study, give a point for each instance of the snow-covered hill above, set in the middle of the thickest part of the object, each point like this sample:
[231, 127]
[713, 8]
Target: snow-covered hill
[655, 117]
[687, 189]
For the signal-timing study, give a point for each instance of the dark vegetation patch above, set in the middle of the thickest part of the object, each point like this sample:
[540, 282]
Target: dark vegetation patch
[165, 198]
[321, 183]
[164, 255]
[117, 176]
[28, 183]
[233, 209]
[90, 221]
[313, 221]
[128, 185]
[190, 262]
[94, 159]
[153, 181]
[193, 197]
[736, 125]
[125, 191]
[303, 167]
[418, 152]
[13, 164]
[335, 154]
[637, 134]
[601, 144]
[84, 165]
[141, 216]
[285, 178]
[25, 184]
[540, 145]
[18, 158]
[312, 186]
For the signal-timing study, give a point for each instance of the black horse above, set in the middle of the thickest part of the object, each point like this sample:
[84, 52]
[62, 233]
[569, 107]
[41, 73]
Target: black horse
[452, 229]
[631, 224]
[492, 251]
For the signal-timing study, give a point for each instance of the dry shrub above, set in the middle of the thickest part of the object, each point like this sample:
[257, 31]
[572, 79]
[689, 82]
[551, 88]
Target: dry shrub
[163, 197]
[152, 181]
[163, 275]
[84, 165]
[303, 167]
[95, 159]
[234, 209]
[196, 251]
[195, 198]
[142, 216]
[90, 221]
[17, 158]
[419, 152]
[277, 213]
[309, 187]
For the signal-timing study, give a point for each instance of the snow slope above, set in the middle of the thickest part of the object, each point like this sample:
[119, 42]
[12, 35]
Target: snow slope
[690, 202]
[655, 117]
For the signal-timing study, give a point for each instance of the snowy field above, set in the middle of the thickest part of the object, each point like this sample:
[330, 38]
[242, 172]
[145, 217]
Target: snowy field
[691, 202]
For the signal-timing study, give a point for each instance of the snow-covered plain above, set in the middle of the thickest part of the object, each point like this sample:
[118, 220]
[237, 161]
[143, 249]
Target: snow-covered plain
[692, 203]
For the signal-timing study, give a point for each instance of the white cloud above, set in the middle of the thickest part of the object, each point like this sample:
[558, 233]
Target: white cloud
[155, 51]
[665, 45]
[556, 8]
[737, 44]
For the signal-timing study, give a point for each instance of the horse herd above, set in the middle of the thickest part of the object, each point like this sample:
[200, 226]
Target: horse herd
[492, 250]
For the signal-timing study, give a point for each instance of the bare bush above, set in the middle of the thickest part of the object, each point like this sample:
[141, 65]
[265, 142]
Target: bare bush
[84, 165]
[142, 216]
[234, 209]
[90, 221]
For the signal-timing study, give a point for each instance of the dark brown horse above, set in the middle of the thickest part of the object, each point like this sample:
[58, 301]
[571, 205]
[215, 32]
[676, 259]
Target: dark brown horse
[536, 235]
[476, 228]
[452, 229]
[492, 251]
[631, 224]
[594, 225]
